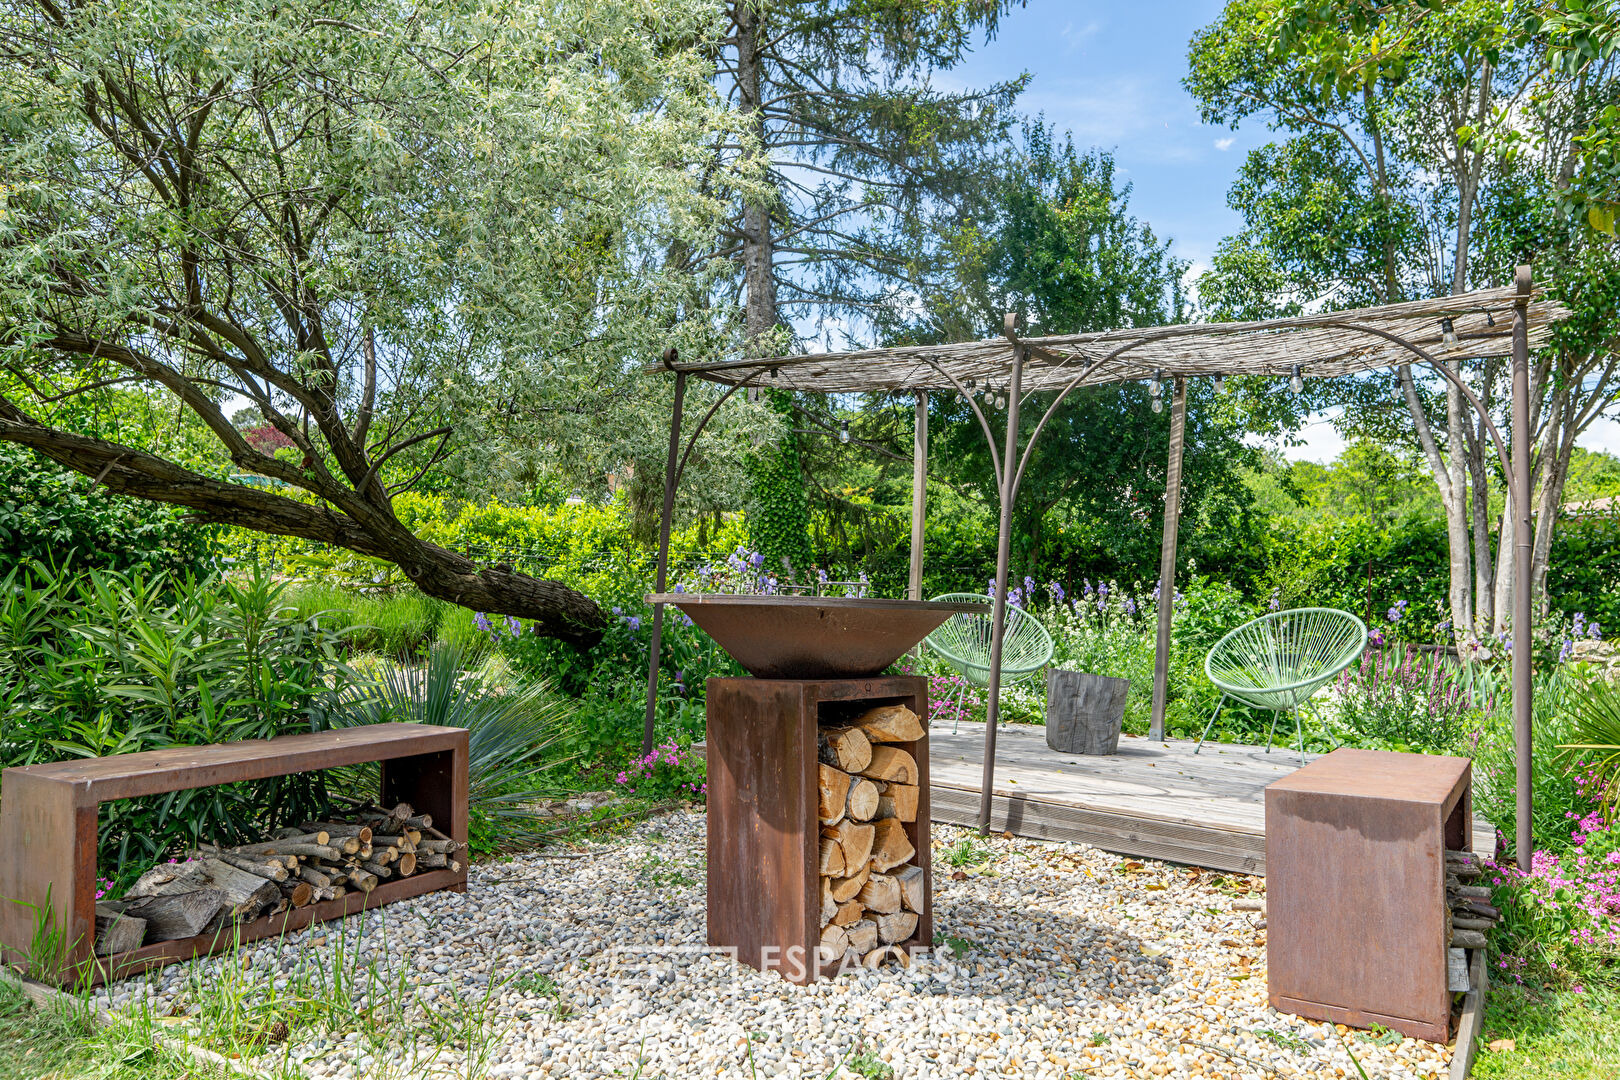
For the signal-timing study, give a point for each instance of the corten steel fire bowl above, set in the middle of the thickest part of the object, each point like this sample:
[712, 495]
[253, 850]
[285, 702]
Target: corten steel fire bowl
[812, 637]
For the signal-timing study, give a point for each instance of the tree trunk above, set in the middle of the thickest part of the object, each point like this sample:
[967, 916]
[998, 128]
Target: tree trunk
[760, 316]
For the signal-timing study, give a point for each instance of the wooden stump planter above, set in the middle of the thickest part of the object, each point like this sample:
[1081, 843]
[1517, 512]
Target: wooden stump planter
[1084, 713]
[818, 815]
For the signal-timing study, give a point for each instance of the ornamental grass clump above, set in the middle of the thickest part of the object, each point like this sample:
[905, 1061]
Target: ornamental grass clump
[1406, 699]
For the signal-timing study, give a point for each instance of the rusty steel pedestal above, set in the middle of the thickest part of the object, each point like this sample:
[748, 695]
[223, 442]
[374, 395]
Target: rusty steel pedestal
[1356, 927]
[763, 823]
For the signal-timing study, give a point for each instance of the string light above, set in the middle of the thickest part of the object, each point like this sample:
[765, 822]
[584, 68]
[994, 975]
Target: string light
[1490, 320]
[1156, 384]
[1158, 405]
[1296, 383]
[843, 431]
[1448, 331]
[1220, 384]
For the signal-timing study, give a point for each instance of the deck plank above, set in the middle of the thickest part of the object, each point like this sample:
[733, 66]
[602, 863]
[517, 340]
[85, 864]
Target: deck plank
[1154, 800]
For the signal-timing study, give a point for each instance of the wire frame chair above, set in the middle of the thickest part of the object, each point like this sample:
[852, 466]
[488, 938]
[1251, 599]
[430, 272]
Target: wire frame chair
[963, 641]
[1279, 660]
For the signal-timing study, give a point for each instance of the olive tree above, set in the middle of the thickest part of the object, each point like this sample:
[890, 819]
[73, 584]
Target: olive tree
[388, 229]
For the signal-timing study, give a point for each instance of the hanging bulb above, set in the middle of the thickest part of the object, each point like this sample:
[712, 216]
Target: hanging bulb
[1158, 404]
[1490, 320]
[1448, 331]
[1295, 383]
[843, 431]
[1156, 384]
[1220, 384]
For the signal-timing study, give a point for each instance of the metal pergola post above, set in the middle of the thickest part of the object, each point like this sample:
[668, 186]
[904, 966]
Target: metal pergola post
[998, 611]
[671, 477]
[1522, 674]
[1167, 559]
[919, 494]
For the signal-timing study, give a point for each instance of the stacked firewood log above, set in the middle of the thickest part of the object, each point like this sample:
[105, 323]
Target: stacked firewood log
[871, 887]
[1468, 907]
[217, 887]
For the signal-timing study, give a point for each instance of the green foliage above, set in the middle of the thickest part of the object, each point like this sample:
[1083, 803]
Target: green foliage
[1595, 755]
[55, 516]
[778, 515]
[591, 547]
[515, 733]
[1406, 699]
[1559, 797]
[1584, 570]
[114, 662]
[668, 771]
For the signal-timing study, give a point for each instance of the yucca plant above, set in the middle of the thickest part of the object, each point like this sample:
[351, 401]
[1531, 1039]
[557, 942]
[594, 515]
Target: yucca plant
[513, 735]
[1596, 713]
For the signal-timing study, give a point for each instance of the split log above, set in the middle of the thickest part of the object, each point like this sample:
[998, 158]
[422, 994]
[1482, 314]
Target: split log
[405, 865]
[298, 893]
[834, 941]
[893, 764]
[863, 799]
[890, 724]
[175, 915]
[898, 801]
[898, 926]
[117, 931]
[361, 833]
[240, 891]
[829, 906]
[832, 858]
[844, 748]
[834, 789]
[912, 895]
[271, 869]
[362, 880]
[890, 845]
[856, 839]
[1468, 939]
[849, 913]
[288, 847]
[881, 894]
[862, 936]
[876, 957]
[285, 845]
[845, 889]
[315, 877]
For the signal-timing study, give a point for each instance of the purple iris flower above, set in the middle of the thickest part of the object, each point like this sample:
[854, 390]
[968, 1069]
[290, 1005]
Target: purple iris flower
[1057, 592]
[634, 622]
[482, 622]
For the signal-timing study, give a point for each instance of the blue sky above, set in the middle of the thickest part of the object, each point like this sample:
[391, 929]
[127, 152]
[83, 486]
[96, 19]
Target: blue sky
[1111, 74]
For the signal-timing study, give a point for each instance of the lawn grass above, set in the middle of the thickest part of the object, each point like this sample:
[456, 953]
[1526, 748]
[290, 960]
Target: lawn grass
[60, 1044]
[1557, 1035]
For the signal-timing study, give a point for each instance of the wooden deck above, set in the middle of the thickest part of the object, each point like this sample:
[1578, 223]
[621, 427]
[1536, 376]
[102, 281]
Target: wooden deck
[1156, 800]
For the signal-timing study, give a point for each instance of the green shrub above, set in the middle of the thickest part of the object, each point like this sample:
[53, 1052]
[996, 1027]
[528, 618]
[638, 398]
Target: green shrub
[57, 517]
[116, 662]
[1405, 699]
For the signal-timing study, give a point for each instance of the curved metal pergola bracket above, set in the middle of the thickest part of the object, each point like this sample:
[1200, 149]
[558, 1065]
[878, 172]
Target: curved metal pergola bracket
[984, 424]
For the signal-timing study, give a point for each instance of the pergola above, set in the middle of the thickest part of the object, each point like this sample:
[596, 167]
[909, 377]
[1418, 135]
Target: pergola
[1005, 373]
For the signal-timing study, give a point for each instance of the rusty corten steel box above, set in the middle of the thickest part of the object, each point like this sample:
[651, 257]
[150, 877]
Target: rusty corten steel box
[1355, 888]
[764, 812]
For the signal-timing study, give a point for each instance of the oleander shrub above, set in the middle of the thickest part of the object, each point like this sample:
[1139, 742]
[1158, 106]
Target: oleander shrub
[112, 662]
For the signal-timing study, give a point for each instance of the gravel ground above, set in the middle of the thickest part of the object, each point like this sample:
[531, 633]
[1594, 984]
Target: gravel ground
[1072, 962]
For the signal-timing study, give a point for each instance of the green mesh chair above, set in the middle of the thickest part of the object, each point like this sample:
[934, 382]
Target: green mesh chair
[963, 641]
[1279, 660]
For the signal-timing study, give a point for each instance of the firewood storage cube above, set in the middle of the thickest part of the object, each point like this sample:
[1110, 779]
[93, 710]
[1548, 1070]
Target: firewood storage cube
[765, 842]
[1356, 896]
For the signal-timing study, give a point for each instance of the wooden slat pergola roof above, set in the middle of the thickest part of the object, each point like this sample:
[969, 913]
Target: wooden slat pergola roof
[1326, 344]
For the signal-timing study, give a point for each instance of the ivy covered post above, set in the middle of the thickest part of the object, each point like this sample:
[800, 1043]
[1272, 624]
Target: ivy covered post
[779, 520]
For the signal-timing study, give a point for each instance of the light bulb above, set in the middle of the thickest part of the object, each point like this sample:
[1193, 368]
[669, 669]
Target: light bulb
[1448, 331]
[843, 431]
[1158, 405]
[1156, 384]
[1295, 383]
[1220, 384]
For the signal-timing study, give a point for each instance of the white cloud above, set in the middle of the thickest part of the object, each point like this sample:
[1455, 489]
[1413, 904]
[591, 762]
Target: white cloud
[1224, 144]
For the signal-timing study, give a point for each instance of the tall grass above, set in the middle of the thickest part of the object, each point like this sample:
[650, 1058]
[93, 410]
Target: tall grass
[402, 623]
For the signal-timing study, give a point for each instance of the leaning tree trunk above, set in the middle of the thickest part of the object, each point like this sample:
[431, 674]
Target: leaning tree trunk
[554, 609]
